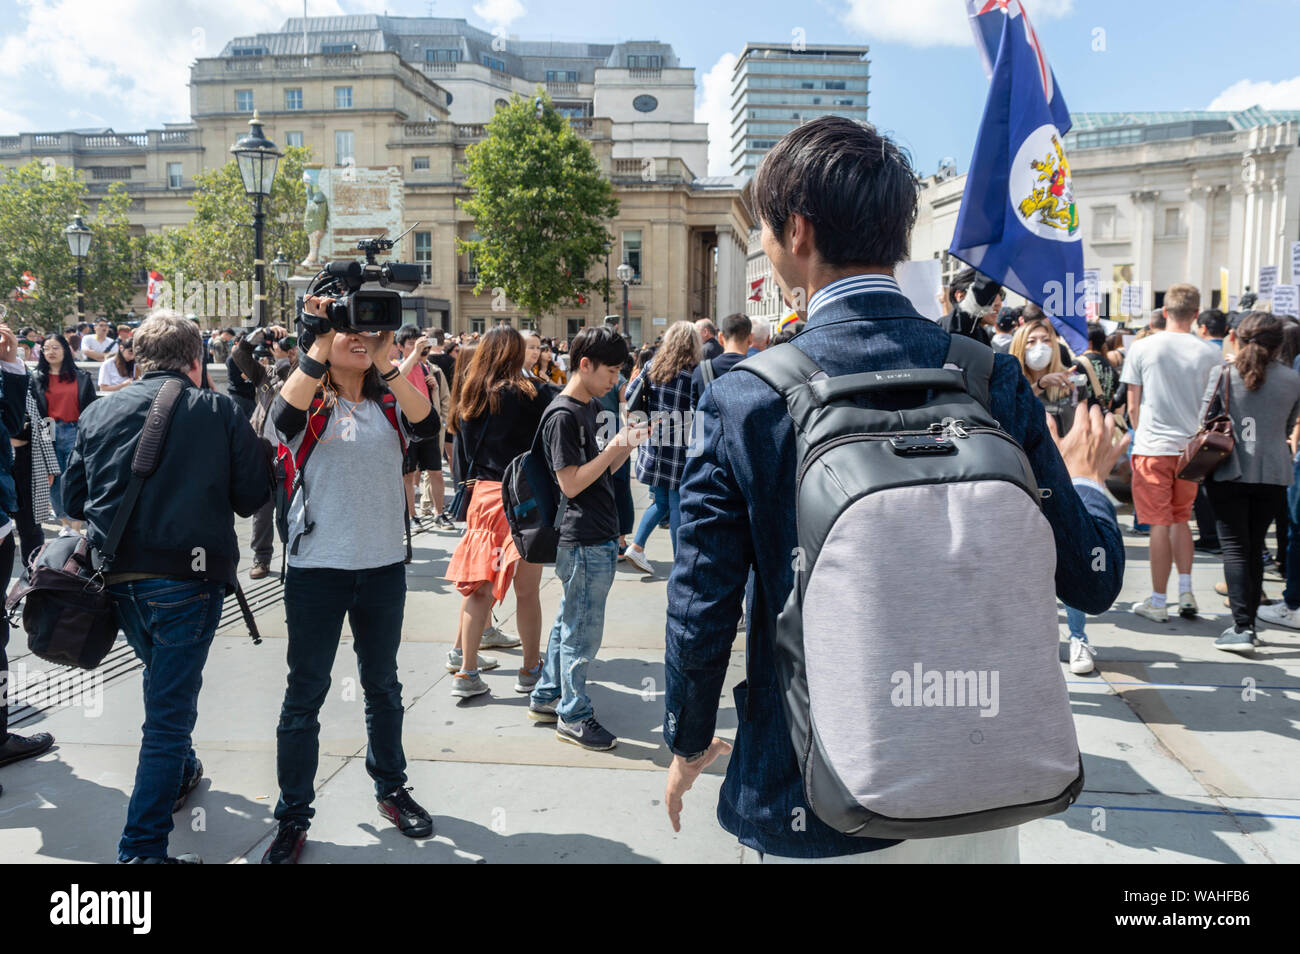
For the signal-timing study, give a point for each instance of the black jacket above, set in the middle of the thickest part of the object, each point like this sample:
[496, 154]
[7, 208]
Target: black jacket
[86, 392]
[212, 464]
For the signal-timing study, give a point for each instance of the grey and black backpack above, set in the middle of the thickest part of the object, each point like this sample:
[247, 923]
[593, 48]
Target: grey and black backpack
[923, 698]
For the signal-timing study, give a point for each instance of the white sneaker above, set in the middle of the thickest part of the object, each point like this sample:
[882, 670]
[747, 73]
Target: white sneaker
[494, 638]
[1187, 607]
[638, 560]
[1157, 614]
[1081, 655]
[1277, 614]
[455, 658]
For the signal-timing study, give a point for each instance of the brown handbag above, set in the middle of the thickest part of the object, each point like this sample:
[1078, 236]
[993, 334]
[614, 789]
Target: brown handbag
[1212, 444]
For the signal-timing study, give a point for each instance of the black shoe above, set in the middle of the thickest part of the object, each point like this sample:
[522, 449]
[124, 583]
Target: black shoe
[589, 734]
[19, 747]
[190, 784]
[403, 811]
[287, 844]
[178, 860]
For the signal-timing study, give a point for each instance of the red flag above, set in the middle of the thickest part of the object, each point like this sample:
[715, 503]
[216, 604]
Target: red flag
[756, 289]
[155, 280]
[26, 287]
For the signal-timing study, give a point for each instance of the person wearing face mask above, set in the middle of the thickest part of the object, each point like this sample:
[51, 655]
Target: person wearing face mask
[1037, 348]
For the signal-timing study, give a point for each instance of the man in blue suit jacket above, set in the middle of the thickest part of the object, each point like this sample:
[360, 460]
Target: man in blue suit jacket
[836, 202]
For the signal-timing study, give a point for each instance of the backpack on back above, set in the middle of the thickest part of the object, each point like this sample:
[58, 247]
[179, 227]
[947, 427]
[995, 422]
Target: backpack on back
[532, 500]
[922, 702]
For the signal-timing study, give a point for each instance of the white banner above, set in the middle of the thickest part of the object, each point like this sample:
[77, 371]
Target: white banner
[921, 281]
[1267, 279]
[1286, 300]
[1295, 263]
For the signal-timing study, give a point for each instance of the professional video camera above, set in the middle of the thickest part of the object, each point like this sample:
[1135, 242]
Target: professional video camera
[356, 308]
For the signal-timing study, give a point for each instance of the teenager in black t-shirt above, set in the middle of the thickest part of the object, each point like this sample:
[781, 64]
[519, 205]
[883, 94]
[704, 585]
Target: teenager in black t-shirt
[588, 546]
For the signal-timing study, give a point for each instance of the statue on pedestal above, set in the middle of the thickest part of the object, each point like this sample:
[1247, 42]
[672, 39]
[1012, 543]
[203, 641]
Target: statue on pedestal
[315, 219]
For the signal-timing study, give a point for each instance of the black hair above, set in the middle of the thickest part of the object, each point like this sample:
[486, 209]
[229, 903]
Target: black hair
[737, 327]
[406, 333]
[67, 370]
[1096, 337]
[781, 338]
[599, 345]
[855, 186]
[1214, 322]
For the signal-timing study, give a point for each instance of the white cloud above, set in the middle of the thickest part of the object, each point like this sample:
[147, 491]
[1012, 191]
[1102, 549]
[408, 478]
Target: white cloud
[930, 22]
[1284, 94]
[132, 54]
[714, 108]
[499, 13]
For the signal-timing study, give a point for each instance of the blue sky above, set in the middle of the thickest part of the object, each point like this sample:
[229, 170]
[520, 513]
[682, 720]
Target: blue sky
[122, 63]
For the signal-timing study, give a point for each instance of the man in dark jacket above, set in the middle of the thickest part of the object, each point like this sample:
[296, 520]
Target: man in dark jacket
[13, 400]
[177, 557]
[836, 202]
[976, 300]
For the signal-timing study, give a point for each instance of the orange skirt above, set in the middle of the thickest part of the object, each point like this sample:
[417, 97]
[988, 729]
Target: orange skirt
[486, 554]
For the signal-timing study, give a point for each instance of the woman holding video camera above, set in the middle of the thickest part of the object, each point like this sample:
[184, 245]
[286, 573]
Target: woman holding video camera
[354, 412]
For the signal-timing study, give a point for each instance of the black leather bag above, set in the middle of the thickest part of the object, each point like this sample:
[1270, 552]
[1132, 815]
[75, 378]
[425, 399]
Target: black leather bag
[458, 509]
[67, 610]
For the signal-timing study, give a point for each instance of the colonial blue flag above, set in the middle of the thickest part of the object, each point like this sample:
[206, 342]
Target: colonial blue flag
[1018, 223]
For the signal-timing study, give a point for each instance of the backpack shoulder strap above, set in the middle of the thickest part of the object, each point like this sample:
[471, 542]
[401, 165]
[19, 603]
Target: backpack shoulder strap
[317, 412]
[388, 404]
[976, 362]
[706, 372]
[786, 369]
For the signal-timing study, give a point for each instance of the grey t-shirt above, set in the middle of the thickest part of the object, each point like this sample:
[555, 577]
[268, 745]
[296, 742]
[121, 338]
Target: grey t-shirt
[1172, 368]
[352, 487]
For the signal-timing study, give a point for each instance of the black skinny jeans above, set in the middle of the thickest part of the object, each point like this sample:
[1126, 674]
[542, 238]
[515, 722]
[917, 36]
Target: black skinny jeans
[30, 534]
[1242, 514]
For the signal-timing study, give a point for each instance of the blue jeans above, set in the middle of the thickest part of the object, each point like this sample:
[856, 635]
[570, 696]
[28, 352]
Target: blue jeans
[661, 499]
[169, 623]
[623, 497]
[65, 436]
[587, 574]
[1075, 620]
[1291, 595]
[315, 602]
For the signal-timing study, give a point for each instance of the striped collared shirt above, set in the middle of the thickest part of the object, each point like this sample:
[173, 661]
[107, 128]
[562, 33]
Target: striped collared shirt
[852, 285]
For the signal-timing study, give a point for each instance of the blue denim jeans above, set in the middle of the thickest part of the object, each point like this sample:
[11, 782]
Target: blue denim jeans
[662, 500]
[65, 436]
[586, 574]
[169, 623]
[316, 602]
[1075, 620]
[1291, 595]
[623, 497]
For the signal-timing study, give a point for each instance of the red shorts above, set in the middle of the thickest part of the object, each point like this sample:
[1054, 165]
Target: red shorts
[1160, 498]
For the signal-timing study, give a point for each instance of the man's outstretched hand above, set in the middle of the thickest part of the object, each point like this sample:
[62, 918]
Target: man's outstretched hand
[1090, 449]
[682, 775]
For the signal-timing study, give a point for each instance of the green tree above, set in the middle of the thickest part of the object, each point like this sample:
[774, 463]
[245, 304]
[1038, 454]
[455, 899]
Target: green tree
[36, 204]
[114, 256]
[539, 205]
[217, 243]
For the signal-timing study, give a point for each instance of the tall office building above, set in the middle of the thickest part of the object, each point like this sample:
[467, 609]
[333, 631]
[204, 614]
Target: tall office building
[777, 86]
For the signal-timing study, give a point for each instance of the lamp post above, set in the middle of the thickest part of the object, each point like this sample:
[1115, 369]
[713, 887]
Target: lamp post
[281, 268]
[257, 157]
[607, 251]
[625, 275]
[78, 236]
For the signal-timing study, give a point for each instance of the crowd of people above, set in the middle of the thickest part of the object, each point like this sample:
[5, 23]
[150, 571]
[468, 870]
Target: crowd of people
[428, 424]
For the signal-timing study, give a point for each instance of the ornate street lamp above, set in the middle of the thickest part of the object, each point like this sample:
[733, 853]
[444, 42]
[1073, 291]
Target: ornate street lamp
[78, 236]
[625, 275]
[257, 158]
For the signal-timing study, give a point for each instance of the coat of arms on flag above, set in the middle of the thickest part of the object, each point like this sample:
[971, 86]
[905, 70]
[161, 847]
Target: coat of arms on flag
[1045, 184]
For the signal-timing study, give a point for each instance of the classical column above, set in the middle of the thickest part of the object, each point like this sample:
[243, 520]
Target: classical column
[1198, 238]
[1236, 263]
[1144, 208]
[727, 262]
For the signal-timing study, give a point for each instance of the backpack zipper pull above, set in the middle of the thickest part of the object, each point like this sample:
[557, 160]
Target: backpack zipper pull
[955, 428]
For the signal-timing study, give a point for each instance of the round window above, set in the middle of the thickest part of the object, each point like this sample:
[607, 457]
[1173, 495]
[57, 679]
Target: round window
[449, 99]
[645, 104]
[501, 104]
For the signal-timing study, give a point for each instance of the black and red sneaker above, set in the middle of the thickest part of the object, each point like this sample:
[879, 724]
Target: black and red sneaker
[404, 812]
[287, 844]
